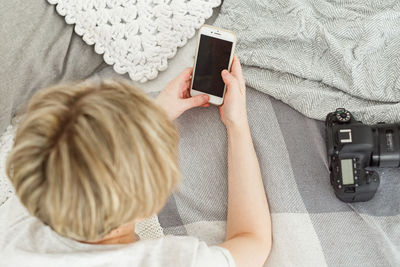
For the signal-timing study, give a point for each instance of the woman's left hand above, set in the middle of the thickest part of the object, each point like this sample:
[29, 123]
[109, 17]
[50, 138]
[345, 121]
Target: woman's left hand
[175, 97]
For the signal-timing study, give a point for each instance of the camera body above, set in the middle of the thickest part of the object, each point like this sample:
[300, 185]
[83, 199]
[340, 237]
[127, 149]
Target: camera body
[352, 147]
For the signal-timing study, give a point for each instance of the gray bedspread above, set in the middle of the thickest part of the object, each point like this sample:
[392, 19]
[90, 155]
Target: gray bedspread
[317, 55]
[37, 50]
[311, 227]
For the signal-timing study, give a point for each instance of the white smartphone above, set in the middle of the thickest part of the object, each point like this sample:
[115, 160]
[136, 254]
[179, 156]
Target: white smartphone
[215, 49]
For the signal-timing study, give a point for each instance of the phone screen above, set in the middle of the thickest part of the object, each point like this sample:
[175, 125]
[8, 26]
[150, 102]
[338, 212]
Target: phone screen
[213, 57]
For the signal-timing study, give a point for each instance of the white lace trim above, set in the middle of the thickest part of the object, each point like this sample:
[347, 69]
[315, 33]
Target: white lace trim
[136, 36]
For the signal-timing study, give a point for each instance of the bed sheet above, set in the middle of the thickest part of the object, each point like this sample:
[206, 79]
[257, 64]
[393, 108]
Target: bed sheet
[311, 227]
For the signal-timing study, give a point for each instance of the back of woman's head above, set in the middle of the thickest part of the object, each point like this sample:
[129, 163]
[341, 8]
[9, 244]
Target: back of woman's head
[89, 157]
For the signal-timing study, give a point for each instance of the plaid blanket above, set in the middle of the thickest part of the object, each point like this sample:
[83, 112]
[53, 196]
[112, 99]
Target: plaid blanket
[311, 227]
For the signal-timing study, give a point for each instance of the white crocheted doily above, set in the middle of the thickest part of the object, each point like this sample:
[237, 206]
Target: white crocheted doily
[136, 36]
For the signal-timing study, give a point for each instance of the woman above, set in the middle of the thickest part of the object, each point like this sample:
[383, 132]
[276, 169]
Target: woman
[91, 160]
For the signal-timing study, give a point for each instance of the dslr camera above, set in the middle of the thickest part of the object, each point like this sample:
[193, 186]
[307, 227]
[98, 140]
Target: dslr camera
[352, 147]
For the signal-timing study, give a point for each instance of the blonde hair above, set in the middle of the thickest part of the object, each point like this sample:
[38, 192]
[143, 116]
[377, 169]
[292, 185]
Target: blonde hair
[90, 157]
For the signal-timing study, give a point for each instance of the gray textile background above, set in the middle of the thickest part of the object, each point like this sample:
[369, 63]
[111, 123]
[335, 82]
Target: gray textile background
[311, 227]
[37, 49]
[317, 55]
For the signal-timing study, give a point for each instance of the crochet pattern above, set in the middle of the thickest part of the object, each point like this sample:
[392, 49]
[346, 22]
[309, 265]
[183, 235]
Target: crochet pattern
[136, 36]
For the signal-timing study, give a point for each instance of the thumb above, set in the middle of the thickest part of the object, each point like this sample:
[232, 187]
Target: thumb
[228, 78]
[196, 101]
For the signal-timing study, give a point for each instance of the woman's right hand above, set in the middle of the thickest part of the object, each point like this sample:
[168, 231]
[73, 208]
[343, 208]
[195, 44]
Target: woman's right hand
[233, 111]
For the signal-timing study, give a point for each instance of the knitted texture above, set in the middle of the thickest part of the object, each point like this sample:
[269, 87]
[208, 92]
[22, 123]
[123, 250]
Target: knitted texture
[149, 228]
[136, 36]
[318, 55]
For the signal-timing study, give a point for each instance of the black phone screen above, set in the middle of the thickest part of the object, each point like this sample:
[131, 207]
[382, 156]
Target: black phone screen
[213, 57]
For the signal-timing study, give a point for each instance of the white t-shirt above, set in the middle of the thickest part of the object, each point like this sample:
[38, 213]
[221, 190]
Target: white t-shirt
[25, 241]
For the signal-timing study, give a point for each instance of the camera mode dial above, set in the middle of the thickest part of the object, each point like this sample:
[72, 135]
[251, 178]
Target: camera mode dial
[342, 115]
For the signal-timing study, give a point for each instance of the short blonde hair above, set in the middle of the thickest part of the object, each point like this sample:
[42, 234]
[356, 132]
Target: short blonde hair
[90, 157]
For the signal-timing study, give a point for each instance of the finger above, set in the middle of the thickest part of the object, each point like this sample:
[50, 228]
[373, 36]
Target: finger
[186, 94]
[186, 74]
[206, 105]
[184, 86]
[236, 68]
[187, 84]
[229, 80]
[196, 101]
